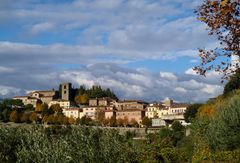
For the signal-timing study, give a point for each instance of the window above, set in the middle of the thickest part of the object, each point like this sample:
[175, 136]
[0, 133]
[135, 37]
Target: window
[65, 92]
[65, 87]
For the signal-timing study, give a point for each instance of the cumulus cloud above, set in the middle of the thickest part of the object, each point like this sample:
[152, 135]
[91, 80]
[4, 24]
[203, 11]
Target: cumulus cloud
[6, 91]
[6, 70]
[125, 82]
[93, 42]
[41, 27]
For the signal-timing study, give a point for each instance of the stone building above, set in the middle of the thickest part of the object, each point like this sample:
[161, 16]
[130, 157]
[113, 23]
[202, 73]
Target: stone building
[28, 100]
[130, 104]
[131, 114]
[45, 96]
[90, 111]
[62, 103]
[105, 101]
[66, 91]
[153, 109]
[73, 112]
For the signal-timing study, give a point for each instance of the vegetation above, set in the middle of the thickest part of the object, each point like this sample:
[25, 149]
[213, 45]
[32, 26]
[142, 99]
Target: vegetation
[222, 19]
[84, 94]
[191, 112]
[233, 84]
[64, 144]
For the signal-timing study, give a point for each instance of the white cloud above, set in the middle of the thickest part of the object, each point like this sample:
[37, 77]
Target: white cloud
[105, 34]
[181, 90]
[6, 69]
[126, 83]
[193, 61]
[41, 27]
[6, 91]
[168, 75]
[190, 71]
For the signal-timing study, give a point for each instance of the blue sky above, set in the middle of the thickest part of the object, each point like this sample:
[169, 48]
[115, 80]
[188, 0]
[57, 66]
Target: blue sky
[142, 49]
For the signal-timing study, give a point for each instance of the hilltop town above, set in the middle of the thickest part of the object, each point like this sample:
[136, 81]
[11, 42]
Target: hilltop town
[104, 109]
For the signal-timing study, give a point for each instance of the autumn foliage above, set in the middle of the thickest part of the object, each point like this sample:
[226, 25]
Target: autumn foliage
[222, 19]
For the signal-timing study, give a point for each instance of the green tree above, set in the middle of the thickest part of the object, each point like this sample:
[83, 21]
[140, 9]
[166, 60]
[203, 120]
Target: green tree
[223, 131]
[29, 107]
[46, 110]
[12, 102]
[146, 121]
[82, 89]
[233, 83]
[191, 112]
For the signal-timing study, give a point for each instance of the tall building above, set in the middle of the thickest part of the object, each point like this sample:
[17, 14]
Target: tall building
[66, 91]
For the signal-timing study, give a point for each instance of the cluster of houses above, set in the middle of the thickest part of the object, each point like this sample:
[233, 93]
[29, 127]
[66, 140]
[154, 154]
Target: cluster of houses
[161, 113]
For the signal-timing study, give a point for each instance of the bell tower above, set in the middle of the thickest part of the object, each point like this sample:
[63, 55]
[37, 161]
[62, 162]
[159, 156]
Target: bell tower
[65, 91]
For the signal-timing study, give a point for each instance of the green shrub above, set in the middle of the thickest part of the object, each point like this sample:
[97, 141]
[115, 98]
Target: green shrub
[223, 131]
[64, 144]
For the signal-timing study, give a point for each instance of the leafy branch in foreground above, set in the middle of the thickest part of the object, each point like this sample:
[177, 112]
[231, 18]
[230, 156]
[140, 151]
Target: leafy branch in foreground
[223, 19]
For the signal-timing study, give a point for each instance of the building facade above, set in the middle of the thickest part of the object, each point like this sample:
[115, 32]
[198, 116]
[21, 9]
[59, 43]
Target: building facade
[73, 112]
[90, 112]
[66, 91]
[158, 122]
[62, 103]
[152, 110]
[131, 104]
[131, 114]
[28, 100]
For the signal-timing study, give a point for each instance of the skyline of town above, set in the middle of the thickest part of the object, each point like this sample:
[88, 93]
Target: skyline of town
[100, 105]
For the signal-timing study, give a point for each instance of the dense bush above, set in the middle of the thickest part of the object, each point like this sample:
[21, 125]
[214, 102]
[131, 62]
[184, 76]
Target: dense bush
[83, 144]
[64, 144]
[223, 131]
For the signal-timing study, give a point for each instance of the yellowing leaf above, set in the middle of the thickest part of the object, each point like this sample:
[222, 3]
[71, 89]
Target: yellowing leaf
[201, 19]
[214, 3]
[224, 2]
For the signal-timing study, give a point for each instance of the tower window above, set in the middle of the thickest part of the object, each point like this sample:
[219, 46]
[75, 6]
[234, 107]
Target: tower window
[65, 87]
[65, 92]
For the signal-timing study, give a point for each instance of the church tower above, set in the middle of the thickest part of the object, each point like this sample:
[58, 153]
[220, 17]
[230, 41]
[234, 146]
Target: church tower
[66, 91]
